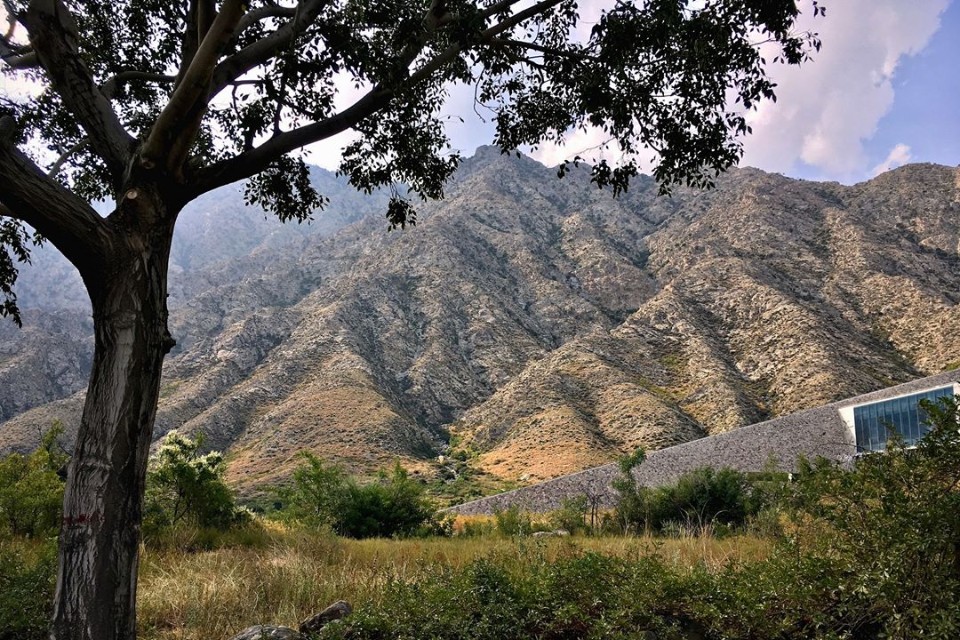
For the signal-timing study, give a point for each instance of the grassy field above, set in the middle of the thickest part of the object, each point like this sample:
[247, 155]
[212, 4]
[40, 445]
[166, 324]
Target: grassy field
[287, 575]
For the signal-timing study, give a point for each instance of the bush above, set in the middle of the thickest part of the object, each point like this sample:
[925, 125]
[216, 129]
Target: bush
[31, 491]
[571, 516]
[704, 499]
[185, 487]
[512, 521]
[393, 506]
[27, 580]
[894, 521]
[316, 495]
[874, 553]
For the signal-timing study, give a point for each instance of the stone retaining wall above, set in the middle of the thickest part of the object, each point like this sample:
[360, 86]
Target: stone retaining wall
[779, 442]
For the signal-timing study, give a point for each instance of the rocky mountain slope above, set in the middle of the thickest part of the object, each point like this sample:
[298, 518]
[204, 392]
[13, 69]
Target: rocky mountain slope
[544, 325]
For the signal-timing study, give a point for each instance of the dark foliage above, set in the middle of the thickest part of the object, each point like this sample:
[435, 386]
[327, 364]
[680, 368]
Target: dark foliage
[27, 580]
[702, 499]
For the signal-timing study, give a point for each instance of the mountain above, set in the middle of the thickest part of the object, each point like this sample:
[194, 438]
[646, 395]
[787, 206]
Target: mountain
[538, 323]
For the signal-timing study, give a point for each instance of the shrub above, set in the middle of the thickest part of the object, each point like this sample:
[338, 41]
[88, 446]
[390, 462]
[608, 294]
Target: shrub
[316, 494]
[512, 521]
[393, 505]
[31, 491]
[571, 516]
[187, 487]
[27, 580]
[894, 521]
[704, 499]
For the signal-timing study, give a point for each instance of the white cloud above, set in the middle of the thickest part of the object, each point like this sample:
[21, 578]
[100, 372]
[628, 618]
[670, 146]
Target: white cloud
[898, 156]
[828, 108]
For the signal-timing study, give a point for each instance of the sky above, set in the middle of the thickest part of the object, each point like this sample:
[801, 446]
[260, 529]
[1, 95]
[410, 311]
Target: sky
[883, 91]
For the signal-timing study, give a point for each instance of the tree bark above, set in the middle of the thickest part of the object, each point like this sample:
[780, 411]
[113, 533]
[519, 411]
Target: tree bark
[100, 534]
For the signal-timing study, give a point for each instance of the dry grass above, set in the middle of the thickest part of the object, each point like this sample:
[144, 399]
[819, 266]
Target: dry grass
[213, 594]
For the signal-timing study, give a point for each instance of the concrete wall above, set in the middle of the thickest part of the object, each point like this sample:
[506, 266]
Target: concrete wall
[815, 432]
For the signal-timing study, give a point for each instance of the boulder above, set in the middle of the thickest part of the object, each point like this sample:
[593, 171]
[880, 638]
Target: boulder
[267, 632]
[313, 624]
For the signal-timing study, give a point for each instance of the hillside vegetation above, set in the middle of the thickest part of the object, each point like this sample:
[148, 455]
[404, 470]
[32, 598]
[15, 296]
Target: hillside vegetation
[868, 552]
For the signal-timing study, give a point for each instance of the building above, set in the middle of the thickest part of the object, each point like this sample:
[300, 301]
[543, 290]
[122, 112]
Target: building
[839, 431]
[873, 423]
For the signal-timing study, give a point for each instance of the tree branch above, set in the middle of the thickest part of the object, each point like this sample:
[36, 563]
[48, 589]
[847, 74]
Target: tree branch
[256, 15]
[189, 43]
[206, 14]
[521, 44]
[11, 19]
[26, 60]
[53, 35]
[27, 194]
[259, 158]
[55, 169]
[259, 52]
[499, 7]
[109, 88]
[175, 127]
[16, 56]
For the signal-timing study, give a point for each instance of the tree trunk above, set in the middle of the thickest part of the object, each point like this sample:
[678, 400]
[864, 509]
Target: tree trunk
[100, 534]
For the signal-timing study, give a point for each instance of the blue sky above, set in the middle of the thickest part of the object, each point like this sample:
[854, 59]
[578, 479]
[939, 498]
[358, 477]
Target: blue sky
[884, 91]
[926, 111]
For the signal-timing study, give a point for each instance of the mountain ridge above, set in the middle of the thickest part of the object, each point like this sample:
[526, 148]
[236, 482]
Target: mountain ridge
[549, 327]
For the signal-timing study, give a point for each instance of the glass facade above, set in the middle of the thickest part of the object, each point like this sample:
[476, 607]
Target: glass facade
[873, 422]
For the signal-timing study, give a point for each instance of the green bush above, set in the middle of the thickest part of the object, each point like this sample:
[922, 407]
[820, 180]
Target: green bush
[512, 521]
[27, 580]
[316, 494]
[31, 491]
[894, 521]
[185, 487]
[571, 516]
[704, 499]
[394, 505]
[874, 552]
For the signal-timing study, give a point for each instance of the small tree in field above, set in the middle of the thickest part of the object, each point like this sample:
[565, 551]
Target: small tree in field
[316, 493]
[184, 485]
[151, 103]
[394, 505]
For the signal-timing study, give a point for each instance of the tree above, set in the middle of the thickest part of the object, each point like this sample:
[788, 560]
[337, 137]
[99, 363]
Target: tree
[184, 485]
[394, 505]
[150, 103]
[632, 498]
[316, 493]
[893, 519]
